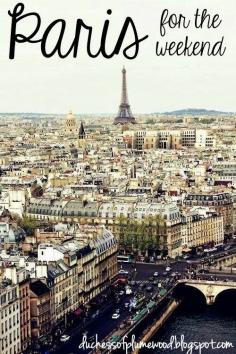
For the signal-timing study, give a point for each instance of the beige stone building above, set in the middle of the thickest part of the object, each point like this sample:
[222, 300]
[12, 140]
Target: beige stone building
[97, 264]
[221, 203]
[78, 270]
[19, 276]
[199, 230]
[159, 223]
[58, 268]
[10, 338]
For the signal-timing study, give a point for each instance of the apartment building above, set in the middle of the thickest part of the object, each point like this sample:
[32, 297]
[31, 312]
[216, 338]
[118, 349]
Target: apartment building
[201, 229]
[165, 238]
[58, 268]
[188, 138]
[77, 271]
[171, 139]
[19, 276]
[144, 227]
[221, 203]
[97, 262]
[40, 308]
[10, 339]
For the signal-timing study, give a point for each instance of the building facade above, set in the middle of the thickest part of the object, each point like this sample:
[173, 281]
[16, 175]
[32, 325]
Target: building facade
[40, 308]
[221, 203]
[202, 230]
[10, 338]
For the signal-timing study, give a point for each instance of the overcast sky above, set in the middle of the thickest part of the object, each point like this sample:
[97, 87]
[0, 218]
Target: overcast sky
[31, 83]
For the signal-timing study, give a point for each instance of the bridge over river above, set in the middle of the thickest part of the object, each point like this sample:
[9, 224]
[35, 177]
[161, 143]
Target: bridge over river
[210, 289]
[153, 317]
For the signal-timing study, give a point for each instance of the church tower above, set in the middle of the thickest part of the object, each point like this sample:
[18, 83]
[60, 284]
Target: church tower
[82, 134]
[82, 137]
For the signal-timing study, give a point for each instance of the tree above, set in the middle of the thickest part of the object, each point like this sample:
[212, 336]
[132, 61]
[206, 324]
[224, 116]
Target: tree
[150, 121]
[142, 235]
[29, 225]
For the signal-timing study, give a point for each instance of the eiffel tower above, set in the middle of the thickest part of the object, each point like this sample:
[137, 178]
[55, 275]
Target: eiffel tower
[125, 115]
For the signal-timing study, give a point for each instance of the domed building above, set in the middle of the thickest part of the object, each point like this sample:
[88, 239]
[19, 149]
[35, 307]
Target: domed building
[71, 126]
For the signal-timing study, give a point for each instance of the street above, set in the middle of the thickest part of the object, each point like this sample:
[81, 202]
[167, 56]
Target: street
[142, 281]
[102, 325]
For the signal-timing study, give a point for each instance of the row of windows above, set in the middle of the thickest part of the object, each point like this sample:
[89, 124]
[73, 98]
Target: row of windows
[10, 309]
[8, 324]
[9, 296]
[24, 292]
[12, 350]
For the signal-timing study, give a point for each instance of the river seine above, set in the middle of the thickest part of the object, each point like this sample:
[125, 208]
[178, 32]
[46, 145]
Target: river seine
[200, 324]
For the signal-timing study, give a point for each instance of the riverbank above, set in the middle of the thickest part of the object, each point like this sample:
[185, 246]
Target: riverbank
[153, 329]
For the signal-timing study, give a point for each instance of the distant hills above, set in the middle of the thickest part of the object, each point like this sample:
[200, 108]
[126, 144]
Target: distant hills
[181, 112]
[196, 112]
